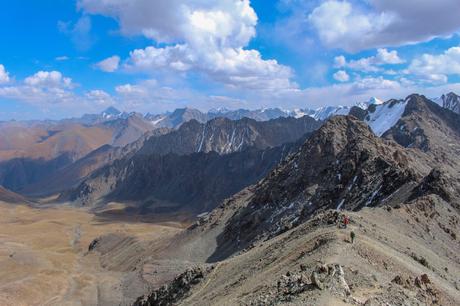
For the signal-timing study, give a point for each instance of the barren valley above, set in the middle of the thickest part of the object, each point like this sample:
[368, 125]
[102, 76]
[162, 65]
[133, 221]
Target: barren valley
[44, 255]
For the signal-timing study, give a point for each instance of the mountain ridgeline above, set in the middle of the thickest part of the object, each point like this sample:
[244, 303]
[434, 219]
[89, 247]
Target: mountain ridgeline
[196, 166]
[225, 136]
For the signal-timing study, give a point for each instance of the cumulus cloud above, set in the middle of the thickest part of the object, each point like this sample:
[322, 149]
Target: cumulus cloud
[341, 76]
[208, 37]
[380, 83]
[370, 64]
[42, 88]
[99, 97]
[49, 79]
[109, 64]
[436, 68]
[388, 57]
[353, 27]
[4, 75]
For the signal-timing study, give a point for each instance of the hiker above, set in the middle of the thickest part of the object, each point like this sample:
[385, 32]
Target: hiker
[352, 236]
[346, 220]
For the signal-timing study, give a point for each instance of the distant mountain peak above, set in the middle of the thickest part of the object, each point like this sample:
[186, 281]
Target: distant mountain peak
[371, 101]
[111, 112]
[219, 110]
[375, 101]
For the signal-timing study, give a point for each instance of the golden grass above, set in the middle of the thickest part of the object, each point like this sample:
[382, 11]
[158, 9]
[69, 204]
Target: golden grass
[42, 251]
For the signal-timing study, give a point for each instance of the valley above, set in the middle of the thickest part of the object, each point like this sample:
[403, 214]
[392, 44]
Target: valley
[44, 255]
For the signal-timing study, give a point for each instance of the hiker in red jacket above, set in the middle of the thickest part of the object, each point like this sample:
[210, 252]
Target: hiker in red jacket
[346, 220]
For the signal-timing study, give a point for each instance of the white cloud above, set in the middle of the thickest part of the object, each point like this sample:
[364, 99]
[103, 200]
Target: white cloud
[379, 83]
[51, 79]
[100, 97]
[353, 27]
[43, 87]
[207, 37]
[4, 75]
[36, 95]
[436, 68]
[370, 64]
[366, 64]
[388, 57]
[109, 64]
[341, 76]
[52, 94]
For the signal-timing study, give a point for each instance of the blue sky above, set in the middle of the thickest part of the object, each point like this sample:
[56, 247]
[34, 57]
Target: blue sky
[62, 58]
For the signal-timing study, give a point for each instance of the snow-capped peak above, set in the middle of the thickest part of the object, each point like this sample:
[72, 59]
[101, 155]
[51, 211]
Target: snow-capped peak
[375, 101]
[110, 113]
[371, 101]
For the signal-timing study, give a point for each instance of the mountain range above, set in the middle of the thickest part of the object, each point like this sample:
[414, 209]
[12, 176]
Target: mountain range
[268, 200]
[280, 240]
[34, 154]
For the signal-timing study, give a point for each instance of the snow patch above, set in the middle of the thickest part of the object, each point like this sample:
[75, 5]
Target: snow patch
[340, 205]
[385, 116]
[155, 122]
[373, 196]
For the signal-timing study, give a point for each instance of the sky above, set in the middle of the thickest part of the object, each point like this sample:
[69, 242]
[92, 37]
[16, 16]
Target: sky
[64, 58]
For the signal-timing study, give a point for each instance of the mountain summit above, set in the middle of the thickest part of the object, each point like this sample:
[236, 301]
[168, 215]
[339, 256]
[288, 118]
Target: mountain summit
[111, 113]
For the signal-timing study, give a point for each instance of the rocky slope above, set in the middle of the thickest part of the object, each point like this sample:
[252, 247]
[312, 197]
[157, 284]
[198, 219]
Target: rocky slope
[393, 260]
[170, 183]
[225, 136]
